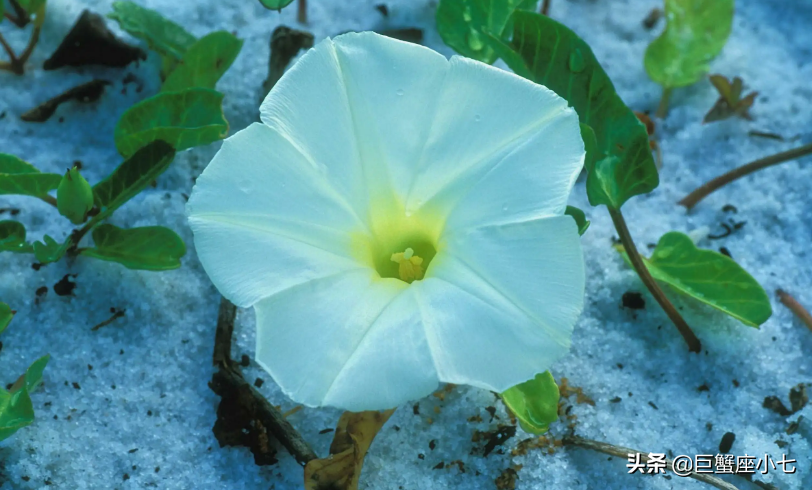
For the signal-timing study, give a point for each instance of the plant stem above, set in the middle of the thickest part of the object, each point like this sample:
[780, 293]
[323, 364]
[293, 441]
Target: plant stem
[12, 18]
[637, 262]
[32, 43]
[49, 199]
[7, 48]
[702, 191]
[791, 303]
[624, 452]
[545, 8]
[22, 18]
[301, 14]
[662, 109]
[228, 382]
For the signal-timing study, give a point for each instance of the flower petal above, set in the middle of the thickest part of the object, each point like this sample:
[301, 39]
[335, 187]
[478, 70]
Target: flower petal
[308, 106]
[265, 219]
[503, 301]
[393, 89]
[352, 341]
[474, 130]
[532, 181]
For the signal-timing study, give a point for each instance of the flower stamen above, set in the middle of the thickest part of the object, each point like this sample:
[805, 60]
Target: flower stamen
[410, 266]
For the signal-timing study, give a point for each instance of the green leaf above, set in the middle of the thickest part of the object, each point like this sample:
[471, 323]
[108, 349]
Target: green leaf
[712, 278]
[2, 9]
[6, 314]
[463, 24]
[275, 4]
[183, 119]
[131, 177]
[579, 217]
[49, 250]
[20, 177]
[534, 402]
[151, 248]
[548, 53]
[12, 237]
[205, 62]
[696, 32]
[16, 409]
[161, 34]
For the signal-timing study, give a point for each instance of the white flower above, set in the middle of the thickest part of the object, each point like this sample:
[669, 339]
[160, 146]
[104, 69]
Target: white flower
[397, 221]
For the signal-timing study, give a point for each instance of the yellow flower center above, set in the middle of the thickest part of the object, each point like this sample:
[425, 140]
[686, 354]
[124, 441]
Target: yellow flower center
[410, 266]
[399, 244]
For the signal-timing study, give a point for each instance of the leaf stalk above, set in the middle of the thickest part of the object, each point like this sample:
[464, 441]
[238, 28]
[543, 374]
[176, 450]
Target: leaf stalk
[694, 345]
[704, 190]
[795, 307]
[662, 109]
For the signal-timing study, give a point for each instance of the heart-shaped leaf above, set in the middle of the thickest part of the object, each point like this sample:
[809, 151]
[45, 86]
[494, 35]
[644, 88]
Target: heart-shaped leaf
[534, 402]
[712, 278]
[20, 177]
[16, 409]
[550, 54]
[204, 63]
[12, 237]
[152, 248]
[161, 34]
[6, 314]
[49, 250]
[131, 177]
[463, 24]
[183, 119]
[696, 32]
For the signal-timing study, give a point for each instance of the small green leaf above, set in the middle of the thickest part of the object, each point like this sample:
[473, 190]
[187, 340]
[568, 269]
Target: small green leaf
[712, 278]
[2, 9]
[204, 63]
[161, 34]
[696, 32]
[151, 248]
[12, 237]
[184, 119]
[6, 314]
[275, 4]
[74, 197]
[550, 54]
[463, 24]
[131, 177]
[579, 217]
[534, 402]
[49, 250]
[16, 409]
[20, 177]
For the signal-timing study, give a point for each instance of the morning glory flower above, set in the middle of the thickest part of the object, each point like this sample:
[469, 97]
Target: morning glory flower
[397, 221]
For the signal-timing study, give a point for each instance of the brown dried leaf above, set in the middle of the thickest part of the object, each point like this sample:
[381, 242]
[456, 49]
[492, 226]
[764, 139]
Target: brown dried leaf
[341, 470]
[85, 93]
[730, 102]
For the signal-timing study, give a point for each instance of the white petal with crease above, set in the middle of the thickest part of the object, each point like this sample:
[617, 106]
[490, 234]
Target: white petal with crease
[350, 340]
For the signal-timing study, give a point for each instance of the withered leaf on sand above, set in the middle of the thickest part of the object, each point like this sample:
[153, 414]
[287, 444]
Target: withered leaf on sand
[730, 102]
[90, 42]
[87, 92]
[285, 45]
[341, 470]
